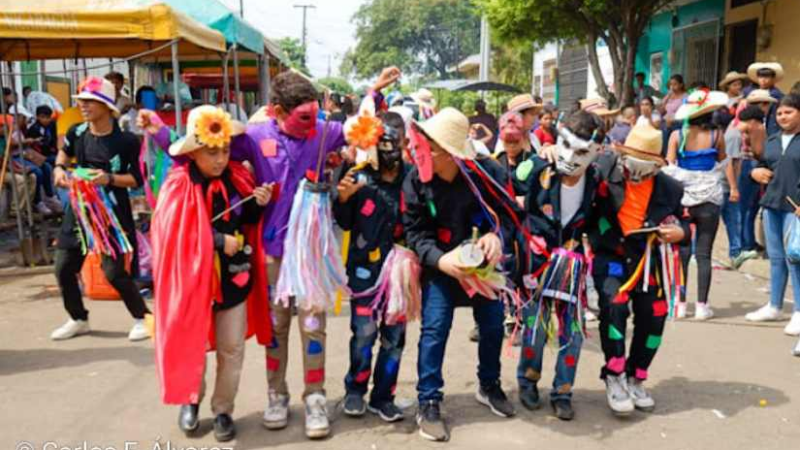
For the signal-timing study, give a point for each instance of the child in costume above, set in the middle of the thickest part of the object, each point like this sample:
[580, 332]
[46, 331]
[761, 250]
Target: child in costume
[209, 283]
[453, 199]
[558, 203]
[635, 222]
[369, 207]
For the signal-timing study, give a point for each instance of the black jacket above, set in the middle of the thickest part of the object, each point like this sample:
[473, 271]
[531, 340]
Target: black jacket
[785, 167]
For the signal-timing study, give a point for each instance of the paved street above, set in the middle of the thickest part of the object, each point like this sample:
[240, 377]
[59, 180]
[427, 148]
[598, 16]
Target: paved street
[723, 385]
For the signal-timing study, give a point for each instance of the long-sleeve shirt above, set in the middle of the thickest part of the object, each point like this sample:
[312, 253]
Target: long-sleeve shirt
[785, 167]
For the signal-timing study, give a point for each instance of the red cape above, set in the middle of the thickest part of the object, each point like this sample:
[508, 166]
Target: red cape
[186, 283]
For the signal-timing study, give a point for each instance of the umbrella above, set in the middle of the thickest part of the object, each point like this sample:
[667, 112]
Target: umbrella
[38, 98]
[472, 85]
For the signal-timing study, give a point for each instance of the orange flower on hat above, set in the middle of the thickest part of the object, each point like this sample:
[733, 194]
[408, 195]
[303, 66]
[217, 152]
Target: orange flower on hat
[366, 132]
[213, 128]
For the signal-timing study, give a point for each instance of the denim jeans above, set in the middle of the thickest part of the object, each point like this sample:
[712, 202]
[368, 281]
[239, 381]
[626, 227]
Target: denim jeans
[44, 178]
[748, 204]
[732, 218]
[365, 332]
[776, 225]
[531, 356]
[439, 296]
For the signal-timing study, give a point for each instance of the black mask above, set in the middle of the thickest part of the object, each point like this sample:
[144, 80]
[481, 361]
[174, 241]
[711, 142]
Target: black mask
[389, 152]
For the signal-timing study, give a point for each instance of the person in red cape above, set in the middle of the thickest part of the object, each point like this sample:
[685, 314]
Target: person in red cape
[210, 286]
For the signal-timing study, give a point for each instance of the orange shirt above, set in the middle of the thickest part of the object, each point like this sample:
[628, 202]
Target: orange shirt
[634, 209]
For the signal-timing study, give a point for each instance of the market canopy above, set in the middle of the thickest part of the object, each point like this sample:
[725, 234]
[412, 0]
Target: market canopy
[218, 17]
[472, 85]
[71, 29]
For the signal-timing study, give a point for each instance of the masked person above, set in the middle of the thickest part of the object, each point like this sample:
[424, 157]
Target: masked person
[369, 208]
[636, 208]
[220, 298]
[558, 203]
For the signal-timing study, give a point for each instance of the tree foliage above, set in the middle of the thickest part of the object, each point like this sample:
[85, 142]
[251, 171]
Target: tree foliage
[619, 23]
[420, 36]
[293, 49]
[336, 84]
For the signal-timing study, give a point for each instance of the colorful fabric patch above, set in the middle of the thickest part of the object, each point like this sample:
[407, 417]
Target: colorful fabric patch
[621, 298]
[394, 388]
[241, 279]
[603, 225]
[602, 189]
[403, 206]
[524, 170]
[615, 269]
[363, 311]
[368, 208]
[361, 242]
[273, 343]
[532, 375]
[363, 376]
[375, 255]
[619, 250]
[564, 388]
[641, 374]
[269, 147]
[660, 308]
[311, 175]
[529, 353]
[616, 365]
[366, 352]
[315, 376]
[391, 366]
[531, 321]
[614, 334]
[570, 361]
[653, 342]
[545, 178]
[444, 235]
[398, 231]
[432, 208]
[314, 347]
[362, 273]
[311, 323]
[273, 364]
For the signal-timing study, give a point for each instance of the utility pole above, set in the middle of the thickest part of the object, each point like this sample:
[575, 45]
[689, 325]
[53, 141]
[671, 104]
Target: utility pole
[305, 30]
[241, 8]
[486, 49]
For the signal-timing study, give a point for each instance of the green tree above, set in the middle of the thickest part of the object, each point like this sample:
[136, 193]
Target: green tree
[619, 23]
[426, 37]
[295, 53]
[337, 84]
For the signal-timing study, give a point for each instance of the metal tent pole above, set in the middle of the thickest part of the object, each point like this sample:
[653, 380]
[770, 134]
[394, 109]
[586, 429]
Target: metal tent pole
[236, 85]
[176, 69]
[14, 192]
[265, 81]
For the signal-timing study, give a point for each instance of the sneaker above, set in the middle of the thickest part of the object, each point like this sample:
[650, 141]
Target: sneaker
[138, 331]
[589, 316]
[703, 312]
[562, 408]
[793, 328]
[431, 425]
[42, 209]
[354, 405]
[748, 254]
[619, 400]
[70, 329]
[796, 350]
[641, 399]
[54, 204]
[317, 426]
[529, 397]
[680, 310]
[766, 313]
[474, 334]
[224, 428]
[493, 396]
[592, 296]
[387, 411]
[276, 416]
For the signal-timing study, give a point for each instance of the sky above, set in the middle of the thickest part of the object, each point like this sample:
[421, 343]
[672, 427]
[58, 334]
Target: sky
[330, 32]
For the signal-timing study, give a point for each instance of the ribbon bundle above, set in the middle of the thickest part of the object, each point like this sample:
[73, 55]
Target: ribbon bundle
[99, 229]
[397, 293]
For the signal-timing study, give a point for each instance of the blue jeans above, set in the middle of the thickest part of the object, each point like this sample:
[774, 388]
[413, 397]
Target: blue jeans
[531, 356]
[776, 225]
[732, 218]
[439, 296]
[365, 332]
[748, 204]
[44, 178]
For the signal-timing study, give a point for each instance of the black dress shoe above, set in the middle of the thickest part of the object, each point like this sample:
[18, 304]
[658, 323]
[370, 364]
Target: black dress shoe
[224, 429]
[188, 421]
[563, 409]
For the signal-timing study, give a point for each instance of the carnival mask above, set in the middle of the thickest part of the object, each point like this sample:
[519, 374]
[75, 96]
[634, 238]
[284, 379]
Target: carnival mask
[574, 154]
[302, 121]
[390, 152]
[637, 170]
[511, 127]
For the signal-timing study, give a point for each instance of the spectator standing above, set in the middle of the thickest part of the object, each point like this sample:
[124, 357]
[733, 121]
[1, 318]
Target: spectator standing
[766, 76]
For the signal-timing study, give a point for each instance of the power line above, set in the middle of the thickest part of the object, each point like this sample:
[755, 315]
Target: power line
[305, 30]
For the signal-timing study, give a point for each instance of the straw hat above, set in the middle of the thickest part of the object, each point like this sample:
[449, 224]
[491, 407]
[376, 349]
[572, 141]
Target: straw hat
[643, 142]
[208, 126]
[760, 96]
[450, 129]
[730, 77]
[99, 90]
[424, 97]
[598, 106]
[752, 71]
[701, 102]
[522, 103]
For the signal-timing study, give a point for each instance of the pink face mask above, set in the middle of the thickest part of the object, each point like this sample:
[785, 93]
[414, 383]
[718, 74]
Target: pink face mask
[511, 127]
[302, 121]
[421, 153]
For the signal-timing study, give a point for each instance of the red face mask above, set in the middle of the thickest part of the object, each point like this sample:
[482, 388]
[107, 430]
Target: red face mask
[421, 152]
[302, 121]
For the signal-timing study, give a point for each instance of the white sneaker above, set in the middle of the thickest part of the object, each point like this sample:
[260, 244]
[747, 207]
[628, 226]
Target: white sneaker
[680, 310]
[589, 316]
[641, 399]
[703, 312]
[70, 329]
[317, 426]
[276, 416]
[138, 331]
[766, 313]
[42, 209]
[793, 329]
[796, 351]
[619, 400]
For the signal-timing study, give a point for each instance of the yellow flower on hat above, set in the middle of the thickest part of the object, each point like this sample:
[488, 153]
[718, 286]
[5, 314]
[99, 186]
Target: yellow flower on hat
[365, 132]
[213, 128]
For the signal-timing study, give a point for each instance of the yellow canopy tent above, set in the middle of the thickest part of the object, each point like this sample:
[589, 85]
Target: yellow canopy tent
[64, 29]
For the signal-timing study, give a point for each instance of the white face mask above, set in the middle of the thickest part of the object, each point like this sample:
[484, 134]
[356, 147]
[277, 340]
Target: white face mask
[574, 154]
[638, 170]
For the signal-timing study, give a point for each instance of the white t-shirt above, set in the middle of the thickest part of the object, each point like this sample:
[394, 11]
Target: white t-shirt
[786, 139]
[571, 199]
